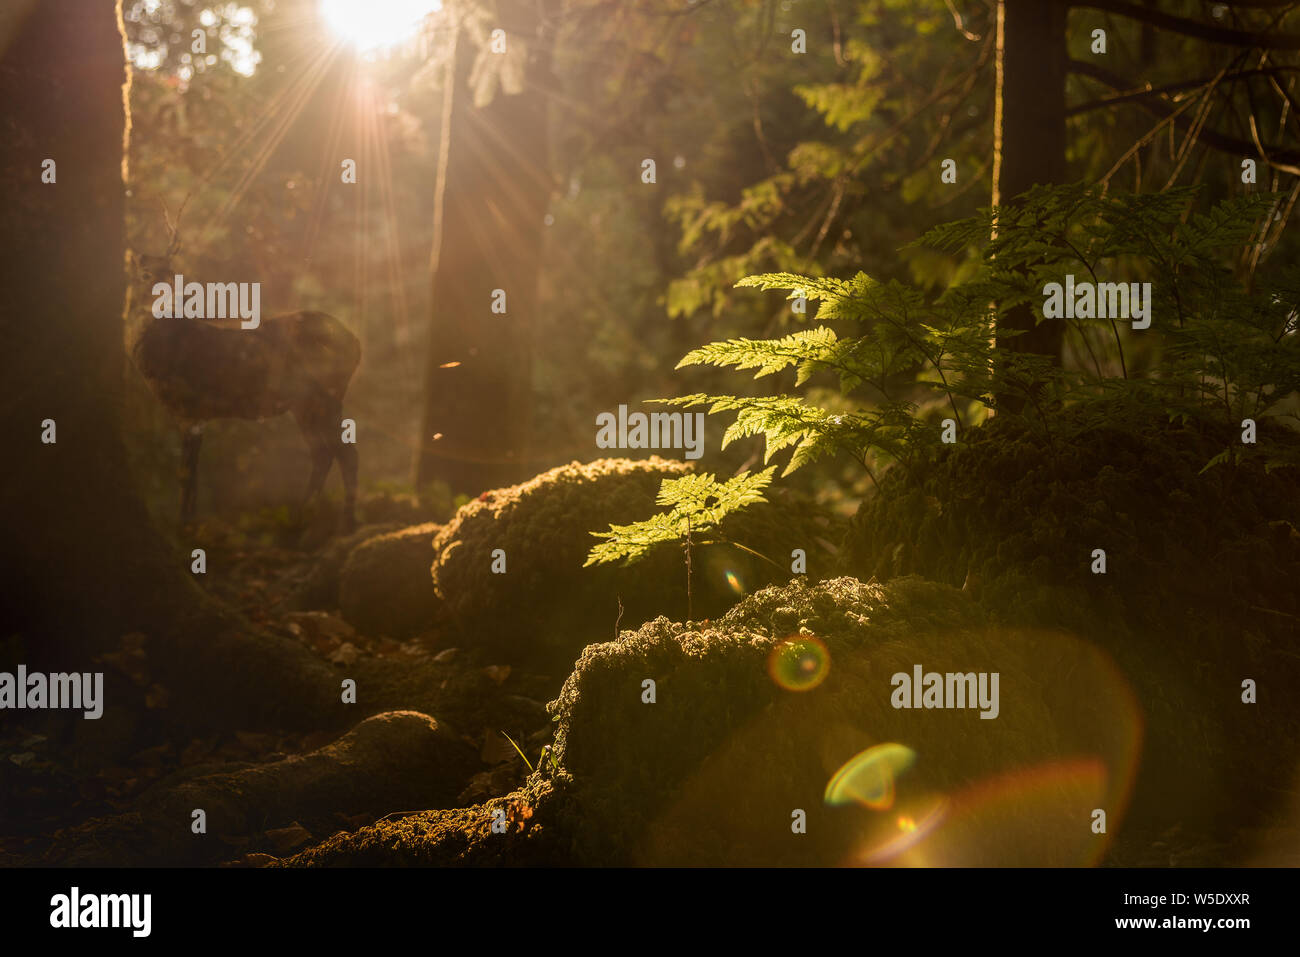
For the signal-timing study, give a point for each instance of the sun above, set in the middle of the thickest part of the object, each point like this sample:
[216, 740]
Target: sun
[369, 24]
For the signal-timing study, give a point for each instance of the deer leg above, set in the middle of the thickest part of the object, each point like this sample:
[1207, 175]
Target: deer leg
[191, 440]
[346, 453]
[321, 460]
[314, 426]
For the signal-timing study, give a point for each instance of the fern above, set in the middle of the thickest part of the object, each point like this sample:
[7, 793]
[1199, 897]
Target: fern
[697, 504]
[901, 358]
[906, 358]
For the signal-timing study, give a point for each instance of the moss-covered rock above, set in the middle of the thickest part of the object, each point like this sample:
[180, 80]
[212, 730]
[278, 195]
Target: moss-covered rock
[547, 606]
[458, 837]
[712, 771]
[384, 587]
[1199, 591]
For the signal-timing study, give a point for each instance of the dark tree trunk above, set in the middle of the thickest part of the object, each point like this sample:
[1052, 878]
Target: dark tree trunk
[82, 564]
[1029, 135]
[73, 525]
[495, 191]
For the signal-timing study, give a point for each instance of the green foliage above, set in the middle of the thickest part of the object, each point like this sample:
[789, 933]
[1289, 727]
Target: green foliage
[849, 145]
[697, 505]
[1220, 344]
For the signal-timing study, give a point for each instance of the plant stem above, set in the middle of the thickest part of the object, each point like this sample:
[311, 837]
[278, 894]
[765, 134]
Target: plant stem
[690, 606]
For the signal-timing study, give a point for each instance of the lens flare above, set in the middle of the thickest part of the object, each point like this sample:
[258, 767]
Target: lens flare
[799, 664]
[868, 777]
[899, 844]
[734, 582]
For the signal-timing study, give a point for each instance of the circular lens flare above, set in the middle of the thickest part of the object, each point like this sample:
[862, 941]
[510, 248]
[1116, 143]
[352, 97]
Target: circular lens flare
[868, 777]
[799, 664]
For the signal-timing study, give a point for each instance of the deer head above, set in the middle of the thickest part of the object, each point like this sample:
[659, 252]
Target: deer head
[153, 269]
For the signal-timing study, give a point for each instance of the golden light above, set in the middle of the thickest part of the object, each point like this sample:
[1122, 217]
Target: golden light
[368, 25]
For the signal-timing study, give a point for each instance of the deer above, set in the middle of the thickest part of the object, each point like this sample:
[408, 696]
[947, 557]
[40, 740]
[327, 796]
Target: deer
[204, 369]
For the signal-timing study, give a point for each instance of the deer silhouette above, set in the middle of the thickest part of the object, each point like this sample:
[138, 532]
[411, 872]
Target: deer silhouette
[204, 369]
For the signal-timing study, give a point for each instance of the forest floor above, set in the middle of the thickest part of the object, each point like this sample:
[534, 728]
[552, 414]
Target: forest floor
[57, 772]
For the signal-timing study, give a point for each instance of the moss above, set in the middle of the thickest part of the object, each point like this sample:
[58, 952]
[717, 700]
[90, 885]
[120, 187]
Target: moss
[1199, 590]
[710, 773]
[384, 588]
[460, 837]
[547, 606]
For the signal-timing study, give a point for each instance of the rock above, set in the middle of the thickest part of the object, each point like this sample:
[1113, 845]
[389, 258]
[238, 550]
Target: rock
[385, 587]
[712, 772]
[547, 606]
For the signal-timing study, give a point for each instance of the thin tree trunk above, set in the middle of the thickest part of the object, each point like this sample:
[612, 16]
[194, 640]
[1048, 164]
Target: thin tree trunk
[1029, 134]
[494, 191]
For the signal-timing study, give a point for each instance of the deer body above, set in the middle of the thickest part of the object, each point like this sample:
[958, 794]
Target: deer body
[201, 371]
[300, 363]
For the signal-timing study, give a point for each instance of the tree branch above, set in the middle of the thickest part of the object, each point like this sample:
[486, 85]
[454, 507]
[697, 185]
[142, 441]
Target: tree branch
[1209, 32]
[1219, 141]
[1172, 88]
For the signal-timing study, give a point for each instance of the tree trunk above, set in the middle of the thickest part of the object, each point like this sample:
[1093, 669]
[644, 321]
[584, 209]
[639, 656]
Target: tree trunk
[1029, 134]
[495, 187]
[82, 564]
